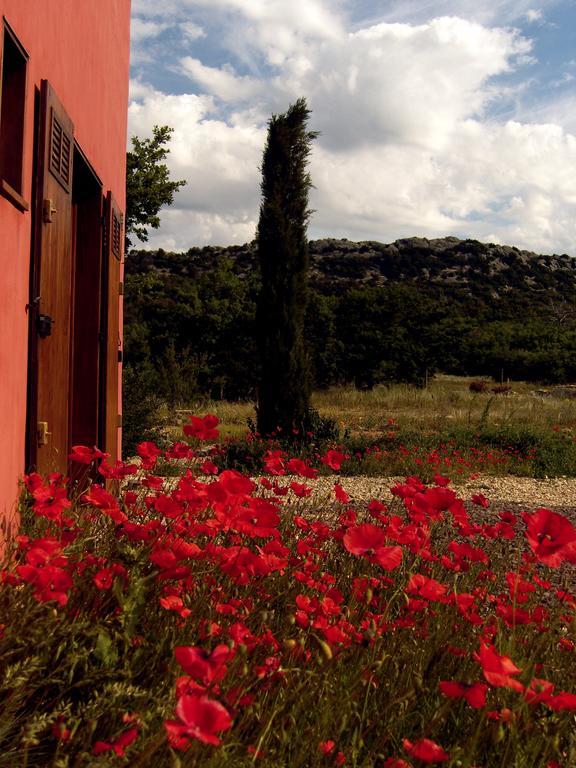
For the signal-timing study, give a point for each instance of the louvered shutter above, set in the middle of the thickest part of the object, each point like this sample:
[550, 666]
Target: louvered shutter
[113, 260]
[51, 305]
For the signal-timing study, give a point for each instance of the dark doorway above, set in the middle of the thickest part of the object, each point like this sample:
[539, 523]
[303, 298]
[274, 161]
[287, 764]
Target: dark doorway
[86, 336]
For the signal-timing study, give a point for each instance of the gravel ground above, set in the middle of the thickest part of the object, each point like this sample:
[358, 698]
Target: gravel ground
[558, 494]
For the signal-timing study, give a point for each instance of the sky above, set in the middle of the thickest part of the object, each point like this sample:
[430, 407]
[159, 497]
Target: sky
[436, 117]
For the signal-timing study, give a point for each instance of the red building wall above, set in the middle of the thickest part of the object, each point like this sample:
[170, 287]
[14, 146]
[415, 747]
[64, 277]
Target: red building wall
[82, 48]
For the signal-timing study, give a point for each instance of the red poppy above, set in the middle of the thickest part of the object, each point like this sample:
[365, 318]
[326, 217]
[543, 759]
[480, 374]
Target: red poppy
[200, 718]
[422, 586]
[467, 552]
[299, 467]
[235, 483]
[176, 604]
[149, 453]
[50, 501]
[274, 462]
[539, 690]
[425, 750]
[300, 490]
[549, 534]
[104, 578]
[364, 539]
[203, 427]
[473, 693]
[118, 745]
[100, 498]
[209, 468]
[206, 667]
[333, 459]
[387, 557]
[561, 701]
[498, 669]
[326, 746]
[60, 731]
[341, 494]
[84, 455]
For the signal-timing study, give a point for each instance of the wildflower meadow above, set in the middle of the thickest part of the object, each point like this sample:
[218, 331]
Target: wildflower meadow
[204, 617]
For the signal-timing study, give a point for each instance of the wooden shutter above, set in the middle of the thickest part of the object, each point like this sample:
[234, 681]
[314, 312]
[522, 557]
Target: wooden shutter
[114, 225]
[50, 306]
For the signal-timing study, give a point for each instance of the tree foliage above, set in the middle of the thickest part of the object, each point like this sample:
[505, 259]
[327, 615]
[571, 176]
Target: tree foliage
[148, 183]
[282, 251]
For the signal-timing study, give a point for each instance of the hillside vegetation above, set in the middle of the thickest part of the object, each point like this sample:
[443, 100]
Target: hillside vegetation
[377, 313]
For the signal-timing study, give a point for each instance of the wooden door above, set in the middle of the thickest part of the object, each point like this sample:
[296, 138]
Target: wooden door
[52, 286]
[113, 241]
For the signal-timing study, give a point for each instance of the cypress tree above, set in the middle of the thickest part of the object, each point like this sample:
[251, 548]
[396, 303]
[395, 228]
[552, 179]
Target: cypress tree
[282, 248]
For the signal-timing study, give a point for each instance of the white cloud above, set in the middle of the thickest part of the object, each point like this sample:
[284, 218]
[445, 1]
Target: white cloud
[510, 182]
[192, 31]
[558, 108]
[218, 160]
[488, 12]
[399, 82]
[407, 144]
[221, 82]
[145, 30]
[533, 15]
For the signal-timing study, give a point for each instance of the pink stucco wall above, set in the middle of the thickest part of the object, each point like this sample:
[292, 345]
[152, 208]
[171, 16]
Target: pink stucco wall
[82, 48]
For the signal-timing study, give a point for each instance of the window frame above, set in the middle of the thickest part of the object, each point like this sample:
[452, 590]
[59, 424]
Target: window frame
[6, 189]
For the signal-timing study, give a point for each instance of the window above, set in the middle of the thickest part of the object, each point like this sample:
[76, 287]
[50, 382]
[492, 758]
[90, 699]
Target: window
[12, 112]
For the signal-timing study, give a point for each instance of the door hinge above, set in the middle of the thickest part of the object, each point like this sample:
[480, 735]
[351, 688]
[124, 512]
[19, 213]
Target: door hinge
[119, 420]
[121, 288]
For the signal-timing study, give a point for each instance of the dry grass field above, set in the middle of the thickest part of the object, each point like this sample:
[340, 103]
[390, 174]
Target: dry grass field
[447, 402]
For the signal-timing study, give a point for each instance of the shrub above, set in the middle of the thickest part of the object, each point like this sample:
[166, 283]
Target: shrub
[501, 389]
[140, 407]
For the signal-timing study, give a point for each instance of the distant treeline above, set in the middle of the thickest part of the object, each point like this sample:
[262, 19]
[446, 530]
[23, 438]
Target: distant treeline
[377, 313]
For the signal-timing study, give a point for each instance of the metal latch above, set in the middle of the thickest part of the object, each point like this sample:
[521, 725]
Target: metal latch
[48, 211]
[44, 325]
[42, 432]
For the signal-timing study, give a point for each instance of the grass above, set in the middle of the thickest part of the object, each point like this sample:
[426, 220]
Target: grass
[535, 433]
[446, 401]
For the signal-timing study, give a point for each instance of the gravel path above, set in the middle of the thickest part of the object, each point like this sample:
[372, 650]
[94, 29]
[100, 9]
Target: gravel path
[558, 493]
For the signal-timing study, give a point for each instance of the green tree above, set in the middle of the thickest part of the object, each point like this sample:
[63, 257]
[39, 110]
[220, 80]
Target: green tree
[148, 183]
[282, 249]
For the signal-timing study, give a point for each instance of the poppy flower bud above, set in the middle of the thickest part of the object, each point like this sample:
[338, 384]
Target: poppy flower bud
[498, 734]
[326, 650]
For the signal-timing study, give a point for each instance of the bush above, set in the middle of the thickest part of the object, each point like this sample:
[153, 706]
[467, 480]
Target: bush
[501, 389]
[140, 407]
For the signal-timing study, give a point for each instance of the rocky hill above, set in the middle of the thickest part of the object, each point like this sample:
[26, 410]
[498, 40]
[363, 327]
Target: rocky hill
[448, 265]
